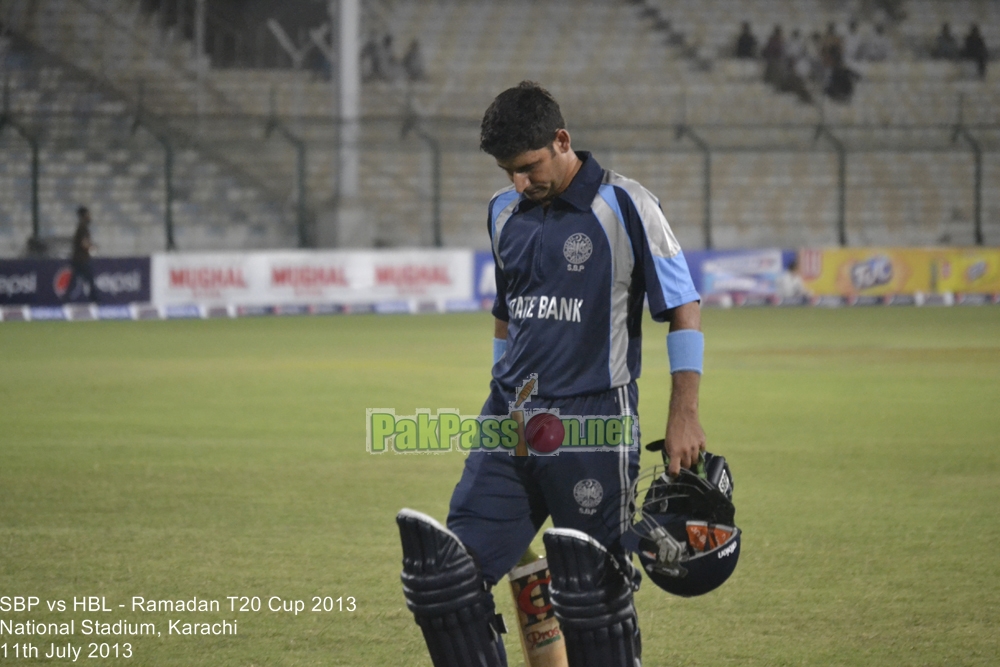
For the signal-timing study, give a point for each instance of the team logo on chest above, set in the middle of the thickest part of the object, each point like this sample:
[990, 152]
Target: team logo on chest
[577, 250]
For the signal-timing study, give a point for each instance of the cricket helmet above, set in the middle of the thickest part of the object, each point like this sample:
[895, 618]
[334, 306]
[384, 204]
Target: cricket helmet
[683, 528]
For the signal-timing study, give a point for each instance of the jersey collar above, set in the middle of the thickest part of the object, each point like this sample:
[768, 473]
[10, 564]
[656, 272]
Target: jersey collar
[582, 189]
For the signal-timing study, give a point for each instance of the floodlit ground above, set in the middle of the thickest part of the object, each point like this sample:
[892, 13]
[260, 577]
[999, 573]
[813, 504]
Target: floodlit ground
[222, 460]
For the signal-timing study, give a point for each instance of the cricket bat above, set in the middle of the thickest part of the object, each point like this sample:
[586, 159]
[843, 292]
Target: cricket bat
[541, 637]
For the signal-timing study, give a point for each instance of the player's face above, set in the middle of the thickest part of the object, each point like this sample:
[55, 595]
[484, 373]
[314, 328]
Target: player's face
[541, 175]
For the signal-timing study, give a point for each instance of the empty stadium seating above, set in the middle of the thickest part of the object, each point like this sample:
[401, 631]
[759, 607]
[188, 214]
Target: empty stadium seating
[624, 86]
[93, 154]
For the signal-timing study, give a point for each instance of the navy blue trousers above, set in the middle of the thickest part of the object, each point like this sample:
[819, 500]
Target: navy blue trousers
[501, 500]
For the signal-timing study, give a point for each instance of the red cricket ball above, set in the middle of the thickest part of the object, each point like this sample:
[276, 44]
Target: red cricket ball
[544, 432]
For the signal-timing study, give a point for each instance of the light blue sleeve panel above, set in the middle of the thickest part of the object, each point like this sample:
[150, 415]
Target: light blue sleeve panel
[501, 208]
[668, 280]
[675, 280]
[501, 201]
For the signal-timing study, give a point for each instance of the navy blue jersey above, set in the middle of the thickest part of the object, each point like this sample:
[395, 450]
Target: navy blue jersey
[571, 278]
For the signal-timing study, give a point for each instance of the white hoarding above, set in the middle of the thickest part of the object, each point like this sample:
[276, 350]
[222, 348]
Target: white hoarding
[312, 277]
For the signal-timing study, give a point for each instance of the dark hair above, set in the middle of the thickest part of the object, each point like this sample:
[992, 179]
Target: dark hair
[82, 211]
[520, 119]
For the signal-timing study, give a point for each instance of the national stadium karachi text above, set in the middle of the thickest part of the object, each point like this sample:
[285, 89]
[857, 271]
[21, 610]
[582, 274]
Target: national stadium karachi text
[30, 628]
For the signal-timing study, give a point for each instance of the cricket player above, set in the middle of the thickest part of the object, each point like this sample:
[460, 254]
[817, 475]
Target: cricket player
[577, 248]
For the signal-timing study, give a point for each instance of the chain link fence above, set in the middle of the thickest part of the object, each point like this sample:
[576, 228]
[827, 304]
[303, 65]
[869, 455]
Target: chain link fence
[237, 182]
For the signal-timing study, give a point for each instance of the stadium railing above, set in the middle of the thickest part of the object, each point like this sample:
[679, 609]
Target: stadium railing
[719, 185]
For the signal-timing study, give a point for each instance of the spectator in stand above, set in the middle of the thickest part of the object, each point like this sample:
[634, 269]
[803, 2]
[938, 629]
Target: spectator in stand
[413, 62]
[774, 56]
[814, 52]
[390, 64]
[840, 87]
[371, 62]
[853, 44]
[876, 49]
[893, 9]
[975, 50]
[746, 43]
[795, 49]
[5, 44]
[796, 70]
[378, 62]
[833, 47]
[945, 46]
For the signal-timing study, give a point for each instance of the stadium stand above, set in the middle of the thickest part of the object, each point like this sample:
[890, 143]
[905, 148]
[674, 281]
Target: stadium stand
[94, 153]
[773, 178]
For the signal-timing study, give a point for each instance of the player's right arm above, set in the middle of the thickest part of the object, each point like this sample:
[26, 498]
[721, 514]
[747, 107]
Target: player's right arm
[499, 327]
[500, 316]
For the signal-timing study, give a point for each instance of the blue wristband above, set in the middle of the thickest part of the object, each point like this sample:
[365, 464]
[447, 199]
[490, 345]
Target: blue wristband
[499, 347]
[686, 350]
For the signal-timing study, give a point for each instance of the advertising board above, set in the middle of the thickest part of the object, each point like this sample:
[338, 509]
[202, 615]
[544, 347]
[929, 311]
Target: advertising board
[47, 282]
[313, 277]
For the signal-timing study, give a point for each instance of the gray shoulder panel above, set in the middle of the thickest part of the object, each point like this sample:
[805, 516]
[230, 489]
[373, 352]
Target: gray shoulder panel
[662, 242]
[504, 202]
[622, 262]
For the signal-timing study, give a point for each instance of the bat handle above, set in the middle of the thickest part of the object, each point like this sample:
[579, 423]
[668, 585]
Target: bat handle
[530, 556]
[522, 445]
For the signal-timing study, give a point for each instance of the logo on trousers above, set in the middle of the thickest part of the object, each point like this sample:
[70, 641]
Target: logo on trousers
[588, 494]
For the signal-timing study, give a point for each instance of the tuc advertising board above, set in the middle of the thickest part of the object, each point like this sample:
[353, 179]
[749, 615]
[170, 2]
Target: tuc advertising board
[304, 277]
[887, 271]
[966, 270]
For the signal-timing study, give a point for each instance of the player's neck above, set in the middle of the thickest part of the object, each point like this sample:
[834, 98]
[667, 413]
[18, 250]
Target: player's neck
[571, 173]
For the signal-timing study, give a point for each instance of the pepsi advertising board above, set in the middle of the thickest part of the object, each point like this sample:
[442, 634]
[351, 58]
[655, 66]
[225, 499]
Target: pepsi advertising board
[46, 282]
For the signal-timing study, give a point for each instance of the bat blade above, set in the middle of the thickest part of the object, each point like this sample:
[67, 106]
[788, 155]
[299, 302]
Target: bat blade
[541, 637]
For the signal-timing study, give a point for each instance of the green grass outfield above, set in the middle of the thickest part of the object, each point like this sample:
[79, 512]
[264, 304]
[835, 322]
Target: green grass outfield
[210, 459]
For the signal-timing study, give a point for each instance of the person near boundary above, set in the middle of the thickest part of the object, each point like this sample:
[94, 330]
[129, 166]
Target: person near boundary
[81, 277]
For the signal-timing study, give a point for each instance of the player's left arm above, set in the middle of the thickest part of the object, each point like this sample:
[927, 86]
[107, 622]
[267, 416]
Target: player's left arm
[672, 297]
[685, 438]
